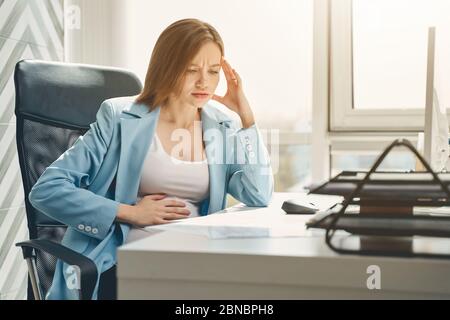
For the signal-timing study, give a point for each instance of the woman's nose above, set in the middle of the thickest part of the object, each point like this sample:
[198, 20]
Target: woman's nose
[202, 80]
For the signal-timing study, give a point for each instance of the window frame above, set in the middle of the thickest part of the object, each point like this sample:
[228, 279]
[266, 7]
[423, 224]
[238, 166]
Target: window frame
[343, 115]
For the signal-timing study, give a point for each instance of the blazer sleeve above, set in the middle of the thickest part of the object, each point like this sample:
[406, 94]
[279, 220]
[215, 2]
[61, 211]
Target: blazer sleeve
[250, 174]
[61, 191]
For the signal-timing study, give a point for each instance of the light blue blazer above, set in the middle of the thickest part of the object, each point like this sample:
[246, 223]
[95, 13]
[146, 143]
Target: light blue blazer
[84, 186]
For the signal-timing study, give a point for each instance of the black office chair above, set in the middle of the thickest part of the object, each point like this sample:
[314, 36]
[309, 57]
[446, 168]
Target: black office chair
[55, 104]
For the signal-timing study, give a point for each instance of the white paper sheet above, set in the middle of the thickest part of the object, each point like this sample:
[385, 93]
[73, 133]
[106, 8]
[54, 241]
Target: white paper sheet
[241, 221]
[246, 224]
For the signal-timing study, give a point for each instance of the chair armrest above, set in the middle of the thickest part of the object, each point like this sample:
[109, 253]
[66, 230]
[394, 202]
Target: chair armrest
[88, 269]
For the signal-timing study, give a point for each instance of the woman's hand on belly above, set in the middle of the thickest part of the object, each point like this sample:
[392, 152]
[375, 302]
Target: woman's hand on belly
[153, 209]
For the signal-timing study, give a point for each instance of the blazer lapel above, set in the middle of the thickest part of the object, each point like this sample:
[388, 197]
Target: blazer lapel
[216, 169]
[136, 135]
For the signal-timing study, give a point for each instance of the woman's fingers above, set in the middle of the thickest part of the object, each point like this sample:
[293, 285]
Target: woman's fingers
[156, 196]
[175, 216]
[173, 203]
[232, 76]
[232, 72]
[225, 69]
[229, 68]
[228, 71]
[238, 77]
[160, 221]
[182, 211]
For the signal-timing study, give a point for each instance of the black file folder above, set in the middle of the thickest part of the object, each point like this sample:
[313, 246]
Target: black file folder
[385, 204]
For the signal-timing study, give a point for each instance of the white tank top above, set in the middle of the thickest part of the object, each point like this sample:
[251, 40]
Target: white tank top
[187, 181]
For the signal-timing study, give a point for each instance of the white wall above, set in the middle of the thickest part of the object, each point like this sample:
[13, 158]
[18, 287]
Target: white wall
[268, 42]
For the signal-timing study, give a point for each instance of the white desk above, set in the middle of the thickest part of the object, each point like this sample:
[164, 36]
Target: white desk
[180, 265]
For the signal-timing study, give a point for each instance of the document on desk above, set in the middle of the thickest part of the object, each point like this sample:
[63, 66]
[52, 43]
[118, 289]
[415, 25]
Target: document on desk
[257, 223]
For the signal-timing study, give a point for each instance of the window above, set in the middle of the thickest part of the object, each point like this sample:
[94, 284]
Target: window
[359, 152]
[378, 62]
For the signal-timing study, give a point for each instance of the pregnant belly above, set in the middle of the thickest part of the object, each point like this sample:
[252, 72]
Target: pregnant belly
[193, 208]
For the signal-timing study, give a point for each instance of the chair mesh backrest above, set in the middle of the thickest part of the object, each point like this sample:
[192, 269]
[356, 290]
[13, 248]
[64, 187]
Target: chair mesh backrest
[55, 104]
[43, 144]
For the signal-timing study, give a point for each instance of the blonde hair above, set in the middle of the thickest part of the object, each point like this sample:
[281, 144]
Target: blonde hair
[175, 48]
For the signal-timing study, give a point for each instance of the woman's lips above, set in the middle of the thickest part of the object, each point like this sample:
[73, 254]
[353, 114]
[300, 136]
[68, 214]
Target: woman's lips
[201, 95]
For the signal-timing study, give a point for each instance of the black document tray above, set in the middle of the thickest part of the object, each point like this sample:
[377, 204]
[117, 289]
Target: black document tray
[385, 226]
[398, 188]
[386, 203]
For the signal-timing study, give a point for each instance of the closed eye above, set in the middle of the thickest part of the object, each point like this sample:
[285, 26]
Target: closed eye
[194, 71]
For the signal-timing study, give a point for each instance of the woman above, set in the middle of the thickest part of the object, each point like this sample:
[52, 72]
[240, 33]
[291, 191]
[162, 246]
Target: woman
[127, 170]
